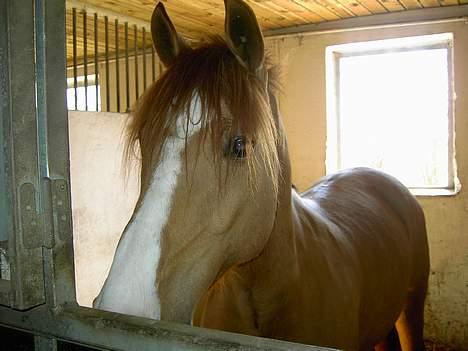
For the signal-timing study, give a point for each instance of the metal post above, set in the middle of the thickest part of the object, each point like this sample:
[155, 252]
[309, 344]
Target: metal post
[106, 38]
[96, 60]
[75, 73]
[85, 58]
[117, 70]
[144, 58]
[127, 75]
[135, 31]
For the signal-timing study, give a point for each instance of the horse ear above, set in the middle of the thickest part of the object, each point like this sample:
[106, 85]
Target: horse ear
[166, 41]
[243, 35]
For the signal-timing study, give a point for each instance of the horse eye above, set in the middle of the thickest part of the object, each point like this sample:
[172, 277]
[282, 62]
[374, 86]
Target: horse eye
[238, 149]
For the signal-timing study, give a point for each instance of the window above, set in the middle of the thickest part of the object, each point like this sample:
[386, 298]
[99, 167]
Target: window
[389, 106]
[86, 96]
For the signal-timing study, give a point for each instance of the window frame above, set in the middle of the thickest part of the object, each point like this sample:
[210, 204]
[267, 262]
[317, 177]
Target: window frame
[335, 53]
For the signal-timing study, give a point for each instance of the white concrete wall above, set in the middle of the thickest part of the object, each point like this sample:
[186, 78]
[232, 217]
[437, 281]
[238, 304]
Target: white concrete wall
[102, 198]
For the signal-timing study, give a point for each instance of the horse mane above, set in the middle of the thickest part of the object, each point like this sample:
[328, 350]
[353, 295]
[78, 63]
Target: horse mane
[222, 84]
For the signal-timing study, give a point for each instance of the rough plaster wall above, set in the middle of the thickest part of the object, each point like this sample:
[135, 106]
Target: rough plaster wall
[102, 199]
[303, 106]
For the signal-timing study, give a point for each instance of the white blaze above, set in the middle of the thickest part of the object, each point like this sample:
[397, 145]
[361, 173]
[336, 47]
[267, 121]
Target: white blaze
[130, 287]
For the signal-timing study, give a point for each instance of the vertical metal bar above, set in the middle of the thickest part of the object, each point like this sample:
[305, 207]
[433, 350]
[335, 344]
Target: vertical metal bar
[75, 73]
[85, 58]
[60, 283]
[106, 33]
[6, 216]
[127, 75]
[144, 58]
[135, 31]
[117, 69]
[96, 60]
[40, 52]
[24, 144]
[153, 64]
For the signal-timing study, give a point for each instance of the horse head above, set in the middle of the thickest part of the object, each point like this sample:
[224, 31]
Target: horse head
[213, 165]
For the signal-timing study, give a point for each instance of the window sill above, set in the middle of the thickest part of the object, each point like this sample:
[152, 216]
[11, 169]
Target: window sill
[421, 192]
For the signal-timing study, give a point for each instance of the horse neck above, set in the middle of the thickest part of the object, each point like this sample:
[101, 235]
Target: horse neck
[280, 248]
[282, 255]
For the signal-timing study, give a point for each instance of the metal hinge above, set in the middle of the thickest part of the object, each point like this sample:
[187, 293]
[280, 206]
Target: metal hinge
[46, 217]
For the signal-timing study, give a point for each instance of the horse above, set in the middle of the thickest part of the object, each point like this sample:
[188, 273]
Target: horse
[220, 239]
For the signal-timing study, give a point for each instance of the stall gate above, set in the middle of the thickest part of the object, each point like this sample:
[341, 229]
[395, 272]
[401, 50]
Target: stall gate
[110, 60]
[38, 309]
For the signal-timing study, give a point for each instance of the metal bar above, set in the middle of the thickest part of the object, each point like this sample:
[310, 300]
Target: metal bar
[153, 64]
[106, 33]
[26, 139]
[75, 73]
[57, 249]
[117, 69]
[96, 60]
[144, 58]
[127, 75]
[40, 87]
[6, 217]
[135, 31]
[424, 16]
[85, 58]
[113, 331]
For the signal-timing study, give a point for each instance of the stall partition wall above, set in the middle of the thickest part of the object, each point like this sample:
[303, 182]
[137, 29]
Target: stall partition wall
[104, 192]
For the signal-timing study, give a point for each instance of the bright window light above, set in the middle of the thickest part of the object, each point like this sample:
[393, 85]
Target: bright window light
[81, 97]
[389, 107]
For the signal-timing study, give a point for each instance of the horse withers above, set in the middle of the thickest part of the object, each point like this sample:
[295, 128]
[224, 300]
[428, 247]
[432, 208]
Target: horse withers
[220, 239]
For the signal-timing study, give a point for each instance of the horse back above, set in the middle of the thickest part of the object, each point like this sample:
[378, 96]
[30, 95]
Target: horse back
[380, 230]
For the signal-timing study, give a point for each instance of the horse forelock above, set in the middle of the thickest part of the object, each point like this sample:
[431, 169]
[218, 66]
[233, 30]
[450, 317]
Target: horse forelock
[233, 102]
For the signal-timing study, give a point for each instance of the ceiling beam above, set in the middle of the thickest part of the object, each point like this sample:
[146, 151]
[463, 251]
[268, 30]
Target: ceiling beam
[409, 17]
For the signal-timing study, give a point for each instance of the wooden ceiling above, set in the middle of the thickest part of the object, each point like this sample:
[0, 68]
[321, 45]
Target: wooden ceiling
[197, 18]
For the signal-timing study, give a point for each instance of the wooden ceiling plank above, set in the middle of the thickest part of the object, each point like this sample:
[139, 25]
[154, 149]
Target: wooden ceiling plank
[322, 11]
[269, 16]
[135, 8]
[430, 3]
[336, 7]
[291, 11]
[411, 4]
[392, 5]
[448, 2]
[374, 6]
[355, 7]
[92, 7]
[286, 21]
[216, 8]
[176, 12]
